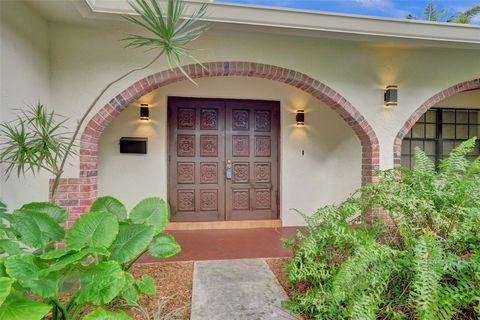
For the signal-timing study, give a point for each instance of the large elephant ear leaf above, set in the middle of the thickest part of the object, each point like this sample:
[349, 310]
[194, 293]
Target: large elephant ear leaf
[130, 292]
[75, 257]
[164, 246]
[94, 229]
[5, 287]
[101, 314]
[10, 247]
[112, 205]
[101, 283]
[26, 269]
[55, 212]
[132, 239]
[151, 211]
[18, 307]
[36, 229]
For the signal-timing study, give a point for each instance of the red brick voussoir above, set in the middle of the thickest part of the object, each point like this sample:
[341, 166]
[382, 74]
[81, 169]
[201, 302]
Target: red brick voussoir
[77, 194]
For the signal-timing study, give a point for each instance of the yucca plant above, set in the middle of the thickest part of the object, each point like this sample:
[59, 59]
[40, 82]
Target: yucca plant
[39, 278]
[421, 263]
[36, 140]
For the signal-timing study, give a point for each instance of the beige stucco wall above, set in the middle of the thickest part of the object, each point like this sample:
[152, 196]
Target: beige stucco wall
[328, 171]
[84, 58]
[24, 80]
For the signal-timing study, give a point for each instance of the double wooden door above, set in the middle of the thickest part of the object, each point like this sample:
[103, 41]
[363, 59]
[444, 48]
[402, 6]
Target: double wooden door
[223, 159]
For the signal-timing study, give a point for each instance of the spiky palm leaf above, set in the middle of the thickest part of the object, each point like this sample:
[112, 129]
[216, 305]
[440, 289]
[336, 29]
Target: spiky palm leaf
[35, 140]
[169, 31]
[466, 16]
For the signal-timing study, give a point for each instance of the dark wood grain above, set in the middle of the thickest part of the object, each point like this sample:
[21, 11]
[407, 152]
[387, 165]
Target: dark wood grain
[204, 134]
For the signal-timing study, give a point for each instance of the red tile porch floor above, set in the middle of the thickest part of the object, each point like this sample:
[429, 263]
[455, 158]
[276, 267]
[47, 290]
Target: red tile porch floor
[229, 244]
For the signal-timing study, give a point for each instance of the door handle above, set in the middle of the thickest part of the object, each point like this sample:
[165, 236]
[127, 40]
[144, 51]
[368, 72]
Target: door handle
[228, 170]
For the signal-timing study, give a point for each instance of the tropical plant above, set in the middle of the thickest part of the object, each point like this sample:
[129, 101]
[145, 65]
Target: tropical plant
[419, 260]
[431, 13]
[38, 277]
[465, 16]
[36, 139]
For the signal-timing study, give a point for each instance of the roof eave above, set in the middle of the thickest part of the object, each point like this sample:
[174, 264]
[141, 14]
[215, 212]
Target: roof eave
[315, 20]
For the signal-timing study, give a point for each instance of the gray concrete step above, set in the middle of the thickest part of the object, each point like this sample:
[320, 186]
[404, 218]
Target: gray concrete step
[236, 290]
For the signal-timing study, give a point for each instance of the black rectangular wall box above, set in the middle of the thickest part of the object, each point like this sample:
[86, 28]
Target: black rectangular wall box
[133, 145]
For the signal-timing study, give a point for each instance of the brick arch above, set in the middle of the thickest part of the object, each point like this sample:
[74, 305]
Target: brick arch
[77, 194]
[442, 95]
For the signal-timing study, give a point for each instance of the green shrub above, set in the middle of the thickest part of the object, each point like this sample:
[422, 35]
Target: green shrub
[36, 276]
[420, 259]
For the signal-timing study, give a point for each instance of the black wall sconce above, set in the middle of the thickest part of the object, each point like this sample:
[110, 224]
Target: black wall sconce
[144, 112]
[391, 96]
[300, 117]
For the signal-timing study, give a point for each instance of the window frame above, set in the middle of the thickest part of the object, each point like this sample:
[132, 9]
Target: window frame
[439, 134]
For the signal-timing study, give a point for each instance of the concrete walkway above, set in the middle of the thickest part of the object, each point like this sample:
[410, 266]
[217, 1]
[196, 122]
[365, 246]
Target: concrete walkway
[236, 289]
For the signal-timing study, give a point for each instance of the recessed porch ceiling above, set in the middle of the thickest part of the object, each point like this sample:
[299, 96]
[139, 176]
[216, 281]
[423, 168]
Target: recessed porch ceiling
[293, 22]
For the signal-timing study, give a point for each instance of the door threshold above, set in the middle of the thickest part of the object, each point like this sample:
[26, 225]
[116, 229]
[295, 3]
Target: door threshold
[209, 225]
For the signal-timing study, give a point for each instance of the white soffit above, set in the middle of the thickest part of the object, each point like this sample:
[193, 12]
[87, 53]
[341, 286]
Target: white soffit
[295, 19]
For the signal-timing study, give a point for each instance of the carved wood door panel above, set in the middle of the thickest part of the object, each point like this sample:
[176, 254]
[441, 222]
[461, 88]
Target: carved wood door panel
[252, 132]
[223, 159]
[197, 150]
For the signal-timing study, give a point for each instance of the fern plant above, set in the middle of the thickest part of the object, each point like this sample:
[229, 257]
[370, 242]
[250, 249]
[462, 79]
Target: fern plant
[419, 259]
[91, 269]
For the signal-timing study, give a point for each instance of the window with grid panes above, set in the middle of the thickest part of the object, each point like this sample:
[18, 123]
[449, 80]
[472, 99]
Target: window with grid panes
[438, 131]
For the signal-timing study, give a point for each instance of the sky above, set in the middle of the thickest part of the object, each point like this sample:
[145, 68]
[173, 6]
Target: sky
[382, 8]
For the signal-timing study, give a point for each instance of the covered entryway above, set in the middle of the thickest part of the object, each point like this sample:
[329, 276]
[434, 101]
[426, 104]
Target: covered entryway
[223, 159]
[336, 142]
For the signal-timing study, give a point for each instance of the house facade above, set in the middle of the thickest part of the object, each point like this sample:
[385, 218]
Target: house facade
[228, 150]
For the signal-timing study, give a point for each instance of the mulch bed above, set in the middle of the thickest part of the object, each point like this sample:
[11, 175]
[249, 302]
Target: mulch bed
[174, 286]
[278, 268]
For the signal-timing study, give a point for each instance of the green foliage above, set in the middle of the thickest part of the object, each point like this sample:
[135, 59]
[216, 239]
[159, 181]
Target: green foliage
[36, 229]
[431, 13]
[420, 259]
[151, 211]
[164, 246]
[168, 33]
[5, 288]
[132, 239]
[465, 17]
[101, 314]
[57, 213]
[101, 283]
[112, 205]
[36, 139]
[93, 229]
[18, 307]
[93, 267]
[147, 285]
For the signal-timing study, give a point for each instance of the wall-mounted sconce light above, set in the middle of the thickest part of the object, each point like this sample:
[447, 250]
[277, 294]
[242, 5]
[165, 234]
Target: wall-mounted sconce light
[144, 112]
[300, 117]
[391, 95]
